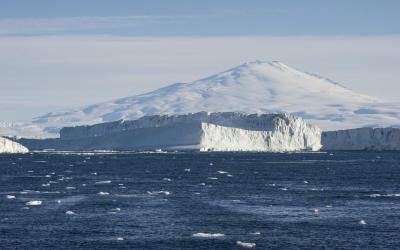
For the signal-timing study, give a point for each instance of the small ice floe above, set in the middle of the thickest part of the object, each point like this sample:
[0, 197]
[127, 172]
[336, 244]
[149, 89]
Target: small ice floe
[94, 173]
[25, 208]
[255, 233]
[316, 210]
[102, 182]
[197, 193]
[120, 184]
[103, 193]
[305, 182]
[47, 176]
[331, 154]
[384, 195]
[328, 206]
[46, 185]
[187, 169]
[362, 222]
[211, 164]
[70, 188]
[222, 172]
[30, 171]
[202, 184]
[283, 189]
[208, 235]
[245, 244]
[10, 196]
[58, 201]
[159, 192]
[69, 212]
[117, 209]
[120, 238]
[53, 182]
[212, 178]
[33, 203]
[272, 184]
[229, 175]
[23, 192]
[83, 184]
[167, 179]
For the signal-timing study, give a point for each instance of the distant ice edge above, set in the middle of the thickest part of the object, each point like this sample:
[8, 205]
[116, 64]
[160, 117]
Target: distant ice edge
[204, 131]
[10, 147]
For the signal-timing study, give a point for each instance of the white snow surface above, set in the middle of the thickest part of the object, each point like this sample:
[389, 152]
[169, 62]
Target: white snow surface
[254, 87]
[9, 147]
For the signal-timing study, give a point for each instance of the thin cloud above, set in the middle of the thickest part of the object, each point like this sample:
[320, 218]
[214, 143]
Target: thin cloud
[31, 26]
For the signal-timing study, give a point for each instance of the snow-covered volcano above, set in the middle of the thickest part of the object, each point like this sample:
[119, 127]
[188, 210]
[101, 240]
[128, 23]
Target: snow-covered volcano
[254, 87]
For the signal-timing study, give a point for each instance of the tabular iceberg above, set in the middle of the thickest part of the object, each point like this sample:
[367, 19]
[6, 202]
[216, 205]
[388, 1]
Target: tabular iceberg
[9, 147]
[219, 131]
[362, 139]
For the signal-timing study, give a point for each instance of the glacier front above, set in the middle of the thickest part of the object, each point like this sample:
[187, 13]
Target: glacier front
[362, 139]
[218, 131]
[9, 147]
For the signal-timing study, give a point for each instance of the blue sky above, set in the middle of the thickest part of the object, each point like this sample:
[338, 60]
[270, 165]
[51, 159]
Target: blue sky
[60, 54]
[200, 18]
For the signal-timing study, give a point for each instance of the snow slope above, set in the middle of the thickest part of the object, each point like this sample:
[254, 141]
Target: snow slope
[254, 87]
[227, 131]
[10, 147]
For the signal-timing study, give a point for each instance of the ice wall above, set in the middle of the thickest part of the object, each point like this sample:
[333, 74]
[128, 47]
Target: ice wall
[9, 147]
[221, 131]
[362, 139]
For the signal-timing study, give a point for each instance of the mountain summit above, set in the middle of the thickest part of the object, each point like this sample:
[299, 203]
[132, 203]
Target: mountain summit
[253, 87]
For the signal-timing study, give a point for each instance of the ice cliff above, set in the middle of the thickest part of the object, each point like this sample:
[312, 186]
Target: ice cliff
[9, 147]
[362, 139]
[219, 131]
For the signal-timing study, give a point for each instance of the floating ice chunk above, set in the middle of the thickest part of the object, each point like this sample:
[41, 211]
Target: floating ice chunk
[58, 201]
[69, 212]
[229, 175]
[208, 235]
[120, 238]
[256, 233]
[70, 188]
[245, 244]
[10, 196]
[117, 209]
[328, 206]
[197, 193]
[222, 172]
[187, 169]
[159, 192]
[167, 179]
[202, 184]
[103, 193]
[212, 178]
[362, 222]
[93, 173]
[316, 210]
[211, 164]
[305, 182]
[33, 203]
[46, 185]
[83, 184]
[103, 182]
[120, 184]
[283, 189]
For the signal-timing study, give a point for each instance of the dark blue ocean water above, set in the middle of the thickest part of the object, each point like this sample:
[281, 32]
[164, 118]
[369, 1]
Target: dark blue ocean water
[334, 200]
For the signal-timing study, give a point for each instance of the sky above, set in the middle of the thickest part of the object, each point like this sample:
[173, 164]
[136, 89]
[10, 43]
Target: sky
[61, 54]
